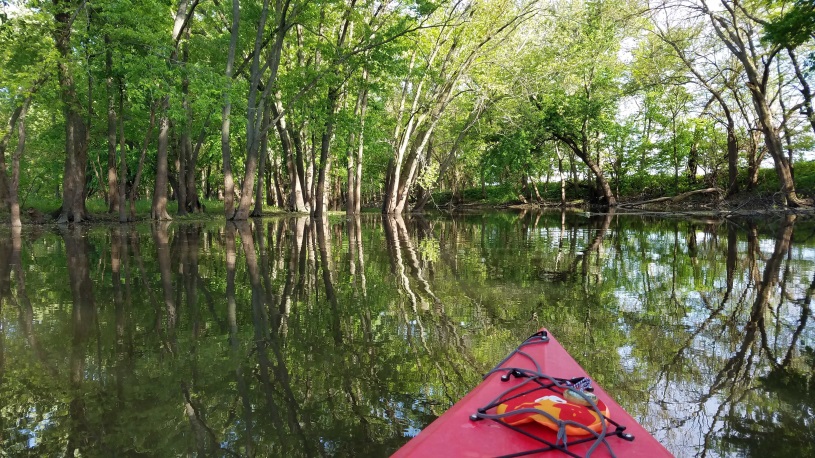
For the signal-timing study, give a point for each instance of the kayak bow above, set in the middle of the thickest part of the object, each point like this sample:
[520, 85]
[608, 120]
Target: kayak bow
[537, 401]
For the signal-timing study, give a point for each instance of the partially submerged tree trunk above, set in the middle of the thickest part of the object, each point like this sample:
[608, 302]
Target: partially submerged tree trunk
[295, 201]
[193, 202]
[257, 101]
[140, 168]
[332, 105]
[184, 145]
[226, 148]
[158, 210]
[76, 138]
[112, 191]
[12, 183]
[562, 176]
[320, 204]
[354, 189]
[262, 163]
[122, 188]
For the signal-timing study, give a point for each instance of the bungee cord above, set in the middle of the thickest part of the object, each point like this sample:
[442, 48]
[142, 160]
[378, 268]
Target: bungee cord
[536, 380]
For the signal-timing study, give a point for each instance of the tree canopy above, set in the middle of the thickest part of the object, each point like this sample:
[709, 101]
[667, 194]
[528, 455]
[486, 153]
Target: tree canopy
[318, 105]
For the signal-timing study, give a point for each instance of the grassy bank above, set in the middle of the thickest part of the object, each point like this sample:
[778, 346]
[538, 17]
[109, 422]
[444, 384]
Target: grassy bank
[630, 189]
[43, 210]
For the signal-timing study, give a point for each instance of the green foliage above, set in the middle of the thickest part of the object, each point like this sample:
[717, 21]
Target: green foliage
[793, 26]
[489, 195]
[804, 179]
[599, 79]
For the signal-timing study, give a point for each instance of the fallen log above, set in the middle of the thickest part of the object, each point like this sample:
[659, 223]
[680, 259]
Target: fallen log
[673, 199]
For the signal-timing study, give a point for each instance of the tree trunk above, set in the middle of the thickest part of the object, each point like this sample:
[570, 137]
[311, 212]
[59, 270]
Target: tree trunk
[806, 92]
[730, 34]
[134, 189]
[206, 183]
[112, 194]
[76, 146]
[264, 153]
[411, 139]
[280, 194]
[193, 202]
[325, 159]
[732, 159]
[226, 149]
[14, 183]
[6, 179]
[295, 201]
[256, 102]
[184, 147]
[754, 157]
[783, 167]
[562, 176]
[605, 188]
[785, 119]
[677, 198]
[693, 160]
[254, 112]
[352, 205]
[360, 149]
[181, 171]
[271, 197]
[158, 210]
[535, 188]
[675, 152]
[122, 185]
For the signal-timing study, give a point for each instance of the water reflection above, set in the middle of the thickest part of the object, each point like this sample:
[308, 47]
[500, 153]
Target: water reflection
[299, 337]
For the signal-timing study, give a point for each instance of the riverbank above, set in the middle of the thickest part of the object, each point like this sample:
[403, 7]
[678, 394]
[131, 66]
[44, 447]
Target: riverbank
[696, 201]
[709, 203]
[43, 211]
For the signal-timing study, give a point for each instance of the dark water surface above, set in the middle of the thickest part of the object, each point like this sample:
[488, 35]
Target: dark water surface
[292, 337]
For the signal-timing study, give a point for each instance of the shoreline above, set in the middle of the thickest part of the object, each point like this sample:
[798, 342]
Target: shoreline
[739, 206]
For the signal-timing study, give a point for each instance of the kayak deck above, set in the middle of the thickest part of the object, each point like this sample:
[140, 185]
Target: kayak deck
[476, 426]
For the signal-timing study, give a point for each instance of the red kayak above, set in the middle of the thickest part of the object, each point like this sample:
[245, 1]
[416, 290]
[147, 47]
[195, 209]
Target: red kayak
[538, 401]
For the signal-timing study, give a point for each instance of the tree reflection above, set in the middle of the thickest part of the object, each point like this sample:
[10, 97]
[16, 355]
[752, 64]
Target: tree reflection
[166, 320]
[767, 428]
[300, 337]
[6, 262]
[83, 316]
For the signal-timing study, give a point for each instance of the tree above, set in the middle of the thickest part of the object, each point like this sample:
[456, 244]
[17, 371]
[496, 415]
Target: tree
[76, 128]
[258, 99]
[183, 19]
[734, 26]
[427, 92]
[577, 112]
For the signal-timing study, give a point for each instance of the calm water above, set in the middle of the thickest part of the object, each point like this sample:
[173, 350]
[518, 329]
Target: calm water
[292, 337]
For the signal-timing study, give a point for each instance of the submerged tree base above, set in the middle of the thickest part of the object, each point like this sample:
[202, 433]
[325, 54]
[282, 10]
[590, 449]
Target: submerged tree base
[707, 201]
